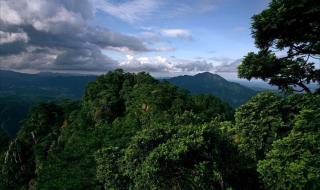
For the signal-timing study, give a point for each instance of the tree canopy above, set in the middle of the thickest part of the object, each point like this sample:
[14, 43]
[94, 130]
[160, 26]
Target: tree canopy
[130, 131]
[291, 29]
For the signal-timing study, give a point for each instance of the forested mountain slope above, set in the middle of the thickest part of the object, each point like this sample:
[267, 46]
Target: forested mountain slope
[208, 83]
[19, 91]
[43, 84]
[130, 131]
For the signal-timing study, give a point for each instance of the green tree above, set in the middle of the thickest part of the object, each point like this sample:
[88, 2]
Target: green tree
[258, 123]
[293, 28]
[85, 145]
[26, 153]
[268, 117]
[175, 157]
[4, 142]
[294, 161]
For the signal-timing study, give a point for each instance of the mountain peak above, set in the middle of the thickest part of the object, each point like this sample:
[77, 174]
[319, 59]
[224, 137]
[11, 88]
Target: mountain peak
[206, 82]
[210, 76]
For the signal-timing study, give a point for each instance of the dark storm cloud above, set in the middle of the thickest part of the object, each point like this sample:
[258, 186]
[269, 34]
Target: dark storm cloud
[55, 35]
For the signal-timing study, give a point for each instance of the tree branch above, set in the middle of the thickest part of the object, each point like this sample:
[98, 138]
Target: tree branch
[304, 87]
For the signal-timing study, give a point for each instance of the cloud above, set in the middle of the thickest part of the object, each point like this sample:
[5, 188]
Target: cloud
[154, 35]
[189, 7]
[47, 35]
[159, 64]
[47, 59]
[131, 11]
[176, 33]
[229, 67]
[136, 11]
[56, 35]
[10, 37]
[148, 64]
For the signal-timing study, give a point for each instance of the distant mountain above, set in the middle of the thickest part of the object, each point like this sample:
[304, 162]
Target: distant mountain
[19, 91]
[44, 84]
[231, 92]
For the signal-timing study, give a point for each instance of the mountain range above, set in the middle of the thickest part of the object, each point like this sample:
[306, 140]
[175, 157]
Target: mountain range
[44, 84]
[19, 91]
[208, 83]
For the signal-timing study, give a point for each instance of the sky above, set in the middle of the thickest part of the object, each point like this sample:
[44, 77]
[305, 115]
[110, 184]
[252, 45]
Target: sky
[162, 37]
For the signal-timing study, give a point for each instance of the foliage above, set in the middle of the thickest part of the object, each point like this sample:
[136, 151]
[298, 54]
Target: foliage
[26, 153]
[77, 145]
[258, 123]
[291, 27]
[132, 132]
[173, 157]
[4, 142]
[294, 161]
[266, 118]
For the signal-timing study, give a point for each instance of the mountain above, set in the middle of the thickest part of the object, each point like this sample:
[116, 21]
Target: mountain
[44, 84]
[20, 91]
[231, 92]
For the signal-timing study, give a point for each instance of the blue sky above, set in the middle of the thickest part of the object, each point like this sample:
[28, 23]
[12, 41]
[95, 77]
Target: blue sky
[164, 38]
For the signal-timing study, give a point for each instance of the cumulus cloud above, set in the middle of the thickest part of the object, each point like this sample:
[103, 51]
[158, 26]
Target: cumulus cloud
[55, 35]
[162, 64]
[149, 64]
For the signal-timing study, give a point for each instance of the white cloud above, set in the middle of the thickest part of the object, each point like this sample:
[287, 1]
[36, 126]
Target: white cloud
[149, 64]
[159, 64]
[9, 15]
[228, 66]
[176, 33]
[9, 37]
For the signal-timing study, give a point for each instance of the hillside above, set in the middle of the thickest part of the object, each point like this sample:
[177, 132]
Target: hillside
[20, 91]
[44, 84]
[203, 83]
[131, 131]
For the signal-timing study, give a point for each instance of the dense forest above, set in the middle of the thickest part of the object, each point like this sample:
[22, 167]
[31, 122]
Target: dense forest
[20, 91]
[131, 131]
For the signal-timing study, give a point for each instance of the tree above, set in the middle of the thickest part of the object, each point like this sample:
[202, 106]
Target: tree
[27, 153]
[294, 161]
[268, 117]
[291, 27]
[88, 144]
[281, 133]
[4, 142]
[175, 157]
